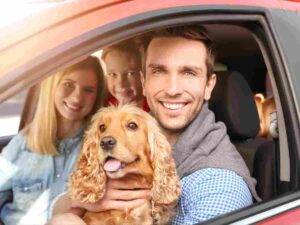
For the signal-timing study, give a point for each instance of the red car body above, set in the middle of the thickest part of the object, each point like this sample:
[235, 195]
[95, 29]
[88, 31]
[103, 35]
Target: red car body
[46, 41]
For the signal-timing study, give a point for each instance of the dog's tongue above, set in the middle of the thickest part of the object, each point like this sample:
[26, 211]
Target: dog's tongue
[112, 165]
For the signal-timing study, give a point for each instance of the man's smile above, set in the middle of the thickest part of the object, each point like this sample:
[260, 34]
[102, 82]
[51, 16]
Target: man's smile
[173, 106]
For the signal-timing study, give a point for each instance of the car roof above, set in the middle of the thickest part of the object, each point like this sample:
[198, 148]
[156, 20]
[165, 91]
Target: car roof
[41, 32]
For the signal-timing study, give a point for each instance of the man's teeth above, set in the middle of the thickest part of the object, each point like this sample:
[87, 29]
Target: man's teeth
[173, 106]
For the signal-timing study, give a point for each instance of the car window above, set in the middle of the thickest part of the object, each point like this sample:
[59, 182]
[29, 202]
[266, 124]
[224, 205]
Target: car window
[10, 114]
[254, 129]
[244, 53]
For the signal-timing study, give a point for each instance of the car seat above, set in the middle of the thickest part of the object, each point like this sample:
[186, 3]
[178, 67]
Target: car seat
[233, 103]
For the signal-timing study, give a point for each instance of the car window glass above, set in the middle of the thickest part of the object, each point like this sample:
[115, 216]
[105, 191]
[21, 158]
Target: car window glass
[10, 114]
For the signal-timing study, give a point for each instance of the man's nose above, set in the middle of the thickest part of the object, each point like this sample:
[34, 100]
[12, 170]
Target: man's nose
[173, 86]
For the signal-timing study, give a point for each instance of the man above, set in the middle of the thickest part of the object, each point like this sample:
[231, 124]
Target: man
[178, 81]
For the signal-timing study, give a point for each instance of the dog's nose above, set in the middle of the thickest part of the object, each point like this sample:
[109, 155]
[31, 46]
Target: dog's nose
[108, 143]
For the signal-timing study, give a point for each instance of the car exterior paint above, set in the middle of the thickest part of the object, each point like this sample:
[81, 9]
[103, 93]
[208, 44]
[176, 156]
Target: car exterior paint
[57, 36]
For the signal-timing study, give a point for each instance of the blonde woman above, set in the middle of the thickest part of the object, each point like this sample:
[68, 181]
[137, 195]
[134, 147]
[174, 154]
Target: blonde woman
[35, 165]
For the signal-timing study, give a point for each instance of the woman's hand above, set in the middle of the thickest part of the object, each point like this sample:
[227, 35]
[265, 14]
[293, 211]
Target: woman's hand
[121, 194]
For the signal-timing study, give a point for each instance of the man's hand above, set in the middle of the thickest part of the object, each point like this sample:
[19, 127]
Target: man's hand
[121, 194]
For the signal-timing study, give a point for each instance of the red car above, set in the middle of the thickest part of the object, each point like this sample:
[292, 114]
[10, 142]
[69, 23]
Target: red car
[259, 40]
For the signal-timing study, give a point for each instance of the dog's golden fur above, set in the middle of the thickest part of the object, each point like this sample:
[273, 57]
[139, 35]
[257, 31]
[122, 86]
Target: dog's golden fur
[145, 154]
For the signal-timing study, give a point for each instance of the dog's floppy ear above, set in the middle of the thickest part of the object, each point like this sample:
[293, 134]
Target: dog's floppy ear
[87, 182]
[166, 184]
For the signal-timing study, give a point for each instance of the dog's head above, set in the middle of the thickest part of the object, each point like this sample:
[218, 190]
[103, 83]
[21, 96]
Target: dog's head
[123, 142]
[120, 141]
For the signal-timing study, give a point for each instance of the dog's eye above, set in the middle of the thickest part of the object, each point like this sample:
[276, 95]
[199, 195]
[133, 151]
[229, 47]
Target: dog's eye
[102, 127]
[132, 126]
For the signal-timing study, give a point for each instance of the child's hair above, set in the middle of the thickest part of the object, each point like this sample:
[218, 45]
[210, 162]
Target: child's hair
[130, 46]
[41, 134]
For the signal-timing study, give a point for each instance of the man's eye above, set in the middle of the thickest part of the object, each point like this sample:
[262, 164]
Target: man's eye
[132, 126]
[190, 73]
[156, 71]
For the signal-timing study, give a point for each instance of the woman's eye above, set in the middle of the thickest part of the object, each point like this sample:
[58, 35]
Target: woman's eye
[132, 126]
[102, 128]
[68, 84]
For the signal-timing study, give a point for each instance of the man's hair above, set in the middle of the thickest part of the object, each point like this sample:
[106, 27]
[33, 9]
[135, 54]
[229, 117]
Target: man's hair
[41, 134]
[191, 32]
[130, 46]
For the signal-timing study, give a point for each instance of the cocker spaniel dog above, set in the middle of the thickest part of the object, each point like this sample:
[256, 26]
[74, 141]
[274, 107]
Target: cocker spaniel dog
[121, 142]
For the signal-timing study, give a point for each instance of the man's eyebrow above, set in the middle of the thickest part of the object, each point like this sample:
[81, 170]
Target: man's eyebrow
[195, 68]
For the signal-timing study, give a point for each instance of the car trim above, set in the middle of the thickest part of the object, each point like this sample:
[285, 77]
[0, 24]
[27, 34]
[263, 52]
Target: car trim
[269, 213]
[255, 209]
[85, 44]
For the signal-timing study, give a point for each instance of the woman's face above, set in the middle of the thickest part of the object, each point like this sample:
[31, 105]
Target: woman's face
[76, 94]
[123, 76]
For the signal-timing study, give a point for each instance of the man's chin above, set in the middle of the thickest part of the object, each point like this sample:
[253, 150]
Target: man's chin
[173, 125]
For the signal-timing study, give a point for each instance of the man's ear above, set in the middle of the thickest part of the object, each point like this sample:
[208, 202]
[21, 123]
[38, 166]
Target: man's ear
[210, 84]
[142, 75]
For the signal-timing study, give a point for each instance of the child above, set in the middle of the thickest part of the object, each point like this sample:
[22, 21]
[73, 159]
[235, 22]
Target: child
[122, 63]
[35, 165]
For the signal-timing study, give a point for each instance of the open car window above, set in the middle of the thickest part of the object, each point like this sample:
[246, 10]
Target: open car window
[247, 56]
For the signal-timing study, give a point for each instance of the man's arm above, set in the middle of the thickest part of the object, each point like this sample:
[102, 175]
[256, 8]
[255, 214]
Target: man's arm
[210, 192]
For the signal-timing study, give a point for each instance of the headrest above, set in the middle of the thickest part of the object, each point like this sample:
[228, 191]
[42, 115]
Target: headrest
[233, 103]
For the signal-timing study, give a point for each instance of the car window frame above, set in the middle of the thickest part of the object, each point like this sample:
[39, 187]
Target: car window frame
[73, 51]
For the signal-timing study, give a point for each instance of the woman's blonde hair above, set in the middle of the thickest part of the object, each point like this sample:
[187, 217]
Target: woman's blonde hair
[41, 134]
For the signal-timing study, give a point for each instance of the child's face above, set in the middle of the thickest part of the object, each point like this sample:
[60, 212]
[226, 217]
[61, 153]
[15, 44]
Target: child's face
[123, 76]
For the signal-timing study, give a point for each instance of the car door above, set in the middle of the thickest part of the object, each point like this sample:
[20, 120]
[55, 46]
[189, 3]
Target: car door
[104, 24]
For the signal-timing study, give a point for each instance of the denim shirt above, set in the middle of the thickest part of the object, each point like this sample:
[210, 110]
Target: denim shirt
[33, 180]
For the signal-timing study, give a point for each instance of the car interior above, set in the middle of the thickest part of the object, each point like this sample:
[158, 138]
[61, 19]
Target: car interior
[233, 103]
[242, 72]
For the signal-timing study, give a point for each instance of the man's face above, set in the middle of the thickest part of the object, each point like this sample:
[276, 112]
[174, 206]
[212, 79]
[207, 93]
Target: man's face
[175, 83]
